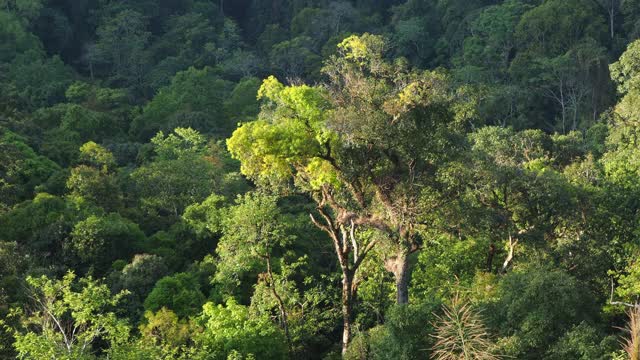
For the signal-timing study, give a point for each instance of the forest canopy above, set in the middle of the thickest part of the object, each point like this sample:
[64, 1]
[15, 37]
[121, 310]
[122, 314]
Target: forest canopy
[320, 179]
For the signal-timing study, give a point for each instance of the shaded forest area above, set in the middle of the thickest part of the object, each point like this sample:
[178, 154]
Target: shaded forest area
[311, 179]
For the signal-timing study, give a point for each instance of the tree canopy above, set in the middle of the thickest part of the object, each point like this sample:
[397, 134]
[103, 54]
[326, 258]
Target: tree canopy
[296, 179]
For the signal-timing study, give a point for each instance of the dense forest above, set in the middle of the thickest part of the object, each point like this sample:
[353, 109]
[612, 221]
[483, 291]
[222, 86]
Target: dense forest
[317, 179]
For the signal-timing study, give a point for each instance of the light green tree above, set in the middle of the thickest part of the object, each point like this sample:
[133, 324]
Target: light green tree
[232, 329]
[67, 318]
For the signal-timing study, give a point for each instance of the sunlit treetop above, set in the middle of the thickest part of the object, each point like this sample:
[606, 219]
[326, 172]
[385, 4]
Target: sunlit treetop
[289, 137]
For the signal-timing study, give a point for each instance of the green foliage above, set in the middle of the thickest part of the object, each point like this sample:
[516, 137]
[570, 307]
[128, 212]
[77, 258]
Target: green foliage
[254, 230]
[179, 293]
[141, 273]
[68, 318]
[582, 342]
[183, 143]
[405, 334]
[295, 58]
[40, 81]
[97, 156]
[242, 103]
[628, 289]
[99, 240]
[21, 169]
[138, 277]
[462, 146]
[232, 329]
[40, 225]
[195, 98]
[207, 217]
[193, 176]
[164, 327]
[578, 21]
[120, 49]
[95, 181]
[528, 301]
[26, 9]
[446, 261]
[625, 71]
[15, 38]
[267, 148]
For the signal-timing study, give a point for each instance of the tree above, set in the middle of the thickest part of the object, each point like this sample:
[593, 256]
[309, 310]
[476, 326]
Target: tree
[138, 277]
[120, 49]
[525, 200]
[15, 37]
[40, 81]
[568, 69]
[612, 7]
[165, 330]
[405, 334]
[230, 328]
[527, 300]
[415, 39]
[26, 9]
[179, 293]
[94, 179]
[100, 240]
[242, 104]
[193, 177]
[399, 170]
[341, 146]
[254, 230]
[541, 30]
[21, 169]
[295, 58]
[67, 318]
[40, 225]
[194, 99]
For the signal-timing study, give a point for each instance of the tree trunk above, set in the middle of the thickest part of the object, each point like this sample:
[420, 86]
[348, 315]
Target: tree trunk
[347, 305]
[611, 25]
[492, 252]
[283, 311]
[398, 265]
[563, 106]
[509, 259]
[612, 15]
[91, 70]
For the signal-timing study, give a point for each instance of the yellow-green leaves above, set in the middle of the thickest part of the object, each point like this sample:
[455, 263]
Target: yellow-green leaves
[424, 89]
[362, 49]
[270, 89]
[289, 137]
[97, 156]
[625, 72]
[321, 172]
[261, 149]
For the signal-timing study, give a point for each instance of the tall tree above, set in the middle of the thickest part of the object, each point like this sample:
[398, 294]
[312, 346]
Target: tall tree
[400, 134]
[373, 149]
[120, 49]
